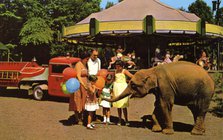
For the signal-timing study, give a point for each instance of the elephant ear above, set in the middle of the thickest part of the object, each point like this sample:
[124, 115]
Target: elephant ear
[150, 82]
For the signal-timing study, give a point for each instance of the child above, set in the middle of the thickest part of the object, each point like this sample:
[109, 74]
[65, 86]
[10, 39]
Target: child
[120, 85]
[106, 93]
[167, 58]
[91, 104]
[203, 61]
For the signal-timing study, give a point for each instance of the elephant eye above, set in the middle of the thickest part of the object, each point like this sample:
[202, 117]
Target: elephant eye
[133, 86]
[145, 80]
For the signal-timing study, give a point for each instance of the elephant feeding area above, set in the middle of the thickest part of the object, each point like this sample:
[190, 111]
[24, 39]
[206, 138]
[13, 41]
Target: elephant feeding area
[23, 118]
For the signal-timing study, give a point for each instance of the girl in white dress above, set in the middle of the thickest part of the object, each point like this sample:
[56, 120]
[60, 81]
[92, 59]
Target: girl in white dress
[106, 93]
[91, 104]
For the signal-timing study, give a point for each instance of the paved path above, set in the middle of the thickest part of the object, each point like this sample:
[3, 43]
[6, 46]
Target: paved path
[23, 118]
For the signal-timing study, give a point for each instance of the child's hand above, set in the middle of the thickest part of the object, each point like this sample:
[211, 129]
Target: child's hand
[99, 99]
[85, 87]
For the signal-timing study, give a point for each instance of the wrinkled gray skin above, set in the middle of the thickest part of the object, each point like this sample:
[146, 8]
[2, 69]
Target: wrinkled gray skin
[181, 83]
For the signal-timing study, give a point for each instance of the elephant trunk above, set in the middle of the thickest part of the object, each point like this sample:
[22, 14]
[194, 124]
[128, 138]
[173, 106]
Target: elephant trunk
[124, 94]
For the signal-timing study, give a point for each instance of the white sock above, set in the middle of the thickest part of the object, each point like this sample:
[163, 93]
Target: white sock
[104, 119]
[88, 125]
[108, 119]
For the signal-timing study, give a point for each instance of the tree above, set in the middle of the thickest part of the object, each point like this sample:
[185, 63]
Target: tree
[36, 23]
[109, 4]
[202, 10]
[36, 32]
[220, 16]
[9, 25]
[182, 9]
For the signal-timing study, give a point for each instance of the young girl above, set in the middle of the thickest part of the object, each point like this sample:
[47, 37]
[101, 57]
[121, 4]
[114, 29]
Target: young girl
[167, 58]
[119, 86]
[91, 104]
[106, 93]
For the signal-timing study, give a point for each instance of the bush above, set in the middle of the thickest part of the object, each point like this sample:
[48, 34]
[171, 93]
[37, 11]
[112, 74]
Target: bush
[218, 80]
[218, 109]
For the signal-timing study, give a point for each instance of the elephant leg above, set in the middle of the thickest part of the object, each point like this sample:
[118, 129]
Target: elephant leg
[194, 112]
[155, 116]
[199, 128]
[166, 107]
[199, 111]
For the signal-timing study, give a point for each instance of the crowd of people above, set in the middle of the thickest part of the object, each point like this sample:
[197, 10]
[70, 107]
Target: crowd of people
[202, 61]
[86, 99]
[159, 59]
[128, 59]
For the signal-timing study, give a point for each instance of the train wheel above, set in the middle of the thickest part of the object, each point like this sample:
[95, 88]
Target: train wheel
[38, 93]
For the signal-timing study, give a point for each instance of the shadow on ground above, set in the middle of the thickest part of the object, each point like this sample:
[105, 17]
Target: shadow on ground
[145, 123]
[18, 93]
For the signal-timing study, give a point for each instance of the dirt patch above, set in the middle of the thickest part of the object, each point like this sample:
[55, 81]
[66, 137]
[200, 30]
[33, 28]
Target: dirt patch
[23, 118]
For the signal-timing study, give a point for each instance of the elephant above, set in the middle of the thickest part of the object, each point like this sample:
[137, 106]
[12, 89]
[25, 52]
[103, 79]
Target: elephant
[182, 83]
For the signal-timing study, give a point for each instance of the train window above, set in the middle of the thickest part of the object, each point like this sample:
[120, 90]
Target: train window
[59, 68]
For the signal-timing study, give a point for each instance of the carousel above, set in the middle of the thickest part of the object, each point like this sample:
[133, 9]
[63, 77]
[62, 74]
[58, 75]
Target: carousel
[141, 27]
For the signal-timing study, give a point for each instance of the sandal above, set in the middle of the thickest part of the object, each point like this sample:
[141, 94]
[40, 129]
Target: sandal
[119, 122]
[93, 125]
[90, 127]
[127, 123]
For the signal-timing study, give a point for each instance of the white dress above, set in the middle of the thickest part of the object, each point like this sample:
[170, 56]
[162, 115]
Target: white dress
[91, 102]
[106, 93]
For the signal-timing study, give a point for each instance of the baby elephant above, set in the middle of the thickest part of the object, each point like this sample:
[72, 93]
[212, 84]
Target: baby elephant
[181, 83]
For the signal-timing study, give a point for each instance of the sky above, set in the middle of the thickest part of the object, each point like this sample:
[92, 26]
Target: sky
[172, 3]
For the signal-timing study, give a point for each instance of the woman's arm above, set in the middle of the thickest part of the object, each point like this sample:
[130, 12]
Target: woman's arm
[126, 72]
[78, 70]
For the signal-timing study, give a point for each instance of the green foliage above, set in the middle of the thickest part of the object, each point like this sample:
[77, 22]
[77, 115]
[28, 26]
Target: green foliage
[63, 48]
[218, 109]
[182, 9]
[83, 9]
[11, 46]
[202, 10]
[8, 15]
[29, 8]
[37, 22]
[218, 80]
[10, 24]
[221, 16]
[36, 32]
[58, 50]
[109, 4]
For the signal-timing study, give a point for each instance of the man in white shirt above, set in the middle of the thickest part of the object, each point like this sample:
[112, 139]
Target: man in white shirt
[94, 63]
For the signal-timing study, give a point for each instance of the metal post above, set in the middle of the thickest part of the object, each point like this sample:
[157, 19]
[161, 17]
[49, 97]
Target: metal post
[8, 55]
[218, 56]
[195, 55]
[149, 51]
[149, 57]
